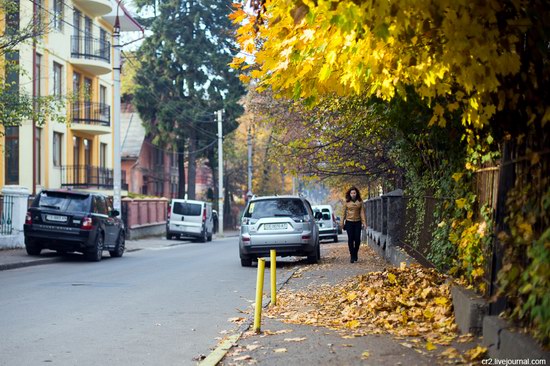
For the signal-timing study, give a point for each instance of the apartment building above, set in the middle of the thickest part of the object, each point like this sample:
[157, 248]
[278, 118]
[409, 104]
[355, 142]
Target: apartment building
[72, 60]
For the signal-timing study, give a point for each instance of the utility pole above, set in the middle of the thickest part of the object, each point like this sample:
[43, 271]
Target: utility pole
[117, 176]
[220, 173]
[249, 143]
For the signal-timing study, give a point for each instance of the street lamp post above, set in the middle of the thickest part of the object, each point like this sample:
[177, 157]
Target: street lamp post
[117, 175]
[249, 143]
[220, 172]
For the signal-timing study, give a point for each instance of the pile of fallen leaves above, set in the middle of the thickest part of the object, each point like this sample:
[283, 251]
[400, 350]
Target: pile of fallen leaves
[406, 301]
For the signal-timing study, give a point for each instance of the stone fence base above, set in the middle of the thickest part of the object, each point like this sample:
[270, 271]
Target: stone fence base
[142, 231]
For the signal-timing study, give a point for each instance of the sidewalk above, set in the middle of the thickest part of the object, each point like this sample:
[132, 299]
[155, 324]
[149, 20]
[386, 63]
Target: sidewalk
[290, 342]
[18, 258]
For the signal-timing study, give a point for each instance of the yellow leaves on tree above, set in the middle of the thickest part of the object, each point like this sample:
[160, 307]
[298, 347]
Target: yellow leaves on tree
[407, 301]
[376, 48]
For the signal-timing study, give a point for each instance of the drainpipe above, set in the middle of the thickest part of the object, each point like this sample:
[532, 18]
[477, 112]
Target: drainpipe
[36, 15]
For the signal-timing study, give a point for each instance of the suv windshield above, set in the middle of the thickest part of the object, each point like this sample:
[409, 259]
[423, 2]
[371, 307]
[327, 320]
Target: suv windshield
[63, 201]
[187, 209]
[276, 207]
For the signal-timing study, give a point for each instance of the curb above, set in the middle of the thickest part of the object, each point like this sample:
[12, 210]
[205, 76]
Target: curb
[4, 267]
[221, 350]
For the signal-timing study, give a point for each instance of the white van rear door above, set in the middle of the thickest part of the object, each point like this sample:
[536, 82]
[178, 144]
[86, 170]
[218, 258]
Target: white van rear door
[187, 213]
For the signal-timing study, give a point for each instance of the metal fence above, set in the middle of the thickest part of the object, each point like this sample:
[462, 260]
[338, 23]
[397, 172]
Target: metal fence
[6, 216]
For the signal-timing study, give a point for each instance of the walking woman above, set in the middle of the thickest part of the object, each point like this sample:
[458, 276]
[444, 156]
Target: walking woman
[353, 220]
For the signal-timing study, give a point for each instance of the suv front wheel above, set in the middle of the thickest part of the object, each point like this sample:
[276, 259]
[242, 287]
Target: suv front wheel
[120, 246]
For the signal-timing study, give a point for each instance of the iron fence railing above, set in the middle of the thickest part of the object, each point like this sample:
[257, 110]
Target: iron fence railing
[91, 113]
[6, 216]
[89, 176]
[90, 48]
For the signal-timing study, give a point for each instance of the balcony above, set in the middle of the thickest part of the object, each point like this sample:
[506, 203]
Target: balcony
[92, 118]
[91, 54]
[87, 176]
[95, 8]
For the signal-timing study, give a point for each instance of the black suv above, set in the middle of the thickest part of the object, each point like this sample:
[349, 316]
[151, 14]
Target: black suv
[72, 221]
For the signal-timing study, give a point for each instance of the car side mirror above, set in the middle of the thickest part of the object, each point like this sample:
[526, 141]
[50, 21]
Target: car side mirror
[318, 215]
[115, 213]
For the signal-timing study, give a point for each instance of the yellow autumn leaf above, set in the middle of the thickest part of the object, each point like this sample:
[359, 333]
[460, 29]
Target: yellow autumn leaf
[280, 350]
[461, 202]
[352, 324]
[351, 296]
[430, 346]
[476, 353]
[391, 278]
[457, 176]
[365, 355]
[441, 301]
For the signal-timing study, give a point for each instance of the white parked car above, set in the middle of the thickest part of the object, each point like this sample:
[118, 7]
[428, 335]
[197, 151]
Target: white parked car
[328, 228]
[190, 218]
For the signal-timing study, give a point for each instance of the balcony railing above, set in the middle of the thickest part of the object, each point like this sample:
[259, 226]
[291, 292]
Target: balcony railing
[90, 48]
[89, 176]
[91, 113]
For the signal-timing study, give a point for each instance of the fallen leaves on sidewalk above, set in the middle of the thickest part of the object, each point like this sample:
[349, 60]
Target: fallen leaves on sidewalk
[406, 301]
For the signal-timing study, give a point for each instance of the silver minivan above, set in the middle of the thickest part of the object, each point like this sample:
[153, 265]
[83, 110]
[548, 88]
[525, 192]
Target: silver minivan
[283, 223]
[328, 228]
[190, 218]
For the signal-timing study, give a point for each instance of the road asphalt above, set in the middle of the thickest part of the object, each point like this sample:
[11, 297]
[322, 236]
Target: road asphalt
[18, 258]
[284, 344]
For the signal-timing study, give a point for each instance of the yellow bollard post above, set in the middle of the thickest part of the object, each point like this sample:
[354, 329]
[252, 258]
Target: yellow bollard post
[273, 267]
[259, 293]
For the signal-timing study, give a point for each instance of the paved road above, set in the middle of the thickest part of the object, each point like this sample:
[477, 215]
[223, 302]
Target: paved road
[159, 306]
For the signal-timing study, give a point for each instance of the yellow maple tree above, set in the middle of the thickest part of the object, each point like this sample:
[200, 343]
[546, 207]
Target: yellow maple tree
[455, 50]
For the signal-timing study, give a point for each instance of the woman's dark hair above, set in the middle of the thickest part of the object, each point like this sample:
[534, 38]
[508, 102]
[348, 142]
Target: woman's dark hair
[348, 194]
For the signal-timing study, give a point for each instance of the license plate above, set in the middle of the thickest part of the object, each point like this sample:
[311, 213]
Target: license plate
[275, 226]
[56, 218]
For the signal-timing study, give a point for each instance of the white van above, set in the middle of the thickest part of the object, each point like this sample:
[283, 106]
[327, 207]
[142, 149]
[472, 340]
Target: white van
[190, 218]
[328, 228]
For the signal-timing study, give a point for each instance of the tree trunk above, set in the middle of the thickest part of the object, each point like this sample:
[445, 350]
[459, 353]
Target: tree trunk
[181, 169]
[267, 166]
[192, 168]
[212, 162]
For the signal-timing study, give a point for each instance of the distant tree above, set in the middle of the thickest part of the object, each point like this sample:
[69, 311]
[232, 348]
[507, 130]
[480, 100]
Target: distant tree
[15, 105]
[183, 78]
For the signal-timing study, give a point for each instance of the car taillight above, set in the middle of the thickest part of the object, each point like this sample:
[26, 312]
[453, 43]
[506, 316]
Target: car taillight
[28, 218]
[86, 223]
[306, 237]
[246, 238]
[204, 215]
[333, 218]
[169, 212]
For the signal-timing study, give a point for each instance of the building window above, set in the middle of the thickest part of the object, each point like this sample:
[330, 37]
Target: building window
[58, 15]
[57, 79]
[57, 141]
[76, 159]
[103, 155]
[77, 16]
[38, 155]
[104, 46]
[11, 162]
[104, 108]
[87, 36]
[37, 80]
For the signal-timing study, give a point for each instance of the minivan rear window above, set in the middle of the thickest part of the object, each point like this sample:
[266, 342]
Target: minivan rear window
[187, 209]
[63, 202]
[276, 207]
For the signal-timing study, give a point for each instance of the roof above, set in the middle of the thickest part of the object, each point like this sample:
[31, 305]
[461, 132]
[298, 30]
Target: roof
[127, 21]
[258, 198]
[132, 134]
